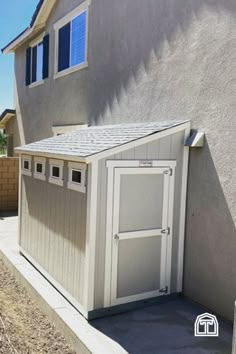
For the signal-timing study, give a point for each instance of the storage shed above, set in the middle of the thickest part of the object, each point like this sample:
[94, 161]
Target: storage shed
[102, 212]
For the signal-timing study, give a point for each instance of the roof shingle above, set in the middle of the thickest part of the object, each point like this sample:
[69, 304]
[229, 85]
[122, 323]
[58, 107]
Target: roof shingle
[93, 140]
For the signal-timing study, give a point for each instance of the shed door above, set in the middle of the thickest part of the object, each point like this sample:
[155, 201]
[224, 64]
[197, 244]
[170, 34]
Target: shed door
[140, 234]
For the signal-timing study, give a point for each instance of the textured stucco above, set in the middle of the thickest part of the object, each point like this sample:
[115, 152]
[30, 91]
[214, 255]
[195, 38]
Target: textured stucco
[158, 60]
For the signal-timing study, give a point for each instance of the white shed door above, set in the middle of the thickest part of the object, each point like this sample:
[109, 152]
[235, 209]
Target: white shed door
[140, 234]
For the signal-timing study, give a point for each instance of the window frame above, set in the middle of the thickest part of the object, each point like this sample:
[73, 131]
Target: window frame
[84, 7]
[40, 175]
[56, 180]
[81, 167]
[26, 172]
[64, 129]
[34, 43]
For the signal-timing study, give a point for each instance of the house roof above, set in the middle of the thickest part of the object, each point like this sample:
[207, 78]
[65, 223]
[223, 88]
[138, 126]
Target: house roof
[37, 23]
[91, 141]
[6, 116]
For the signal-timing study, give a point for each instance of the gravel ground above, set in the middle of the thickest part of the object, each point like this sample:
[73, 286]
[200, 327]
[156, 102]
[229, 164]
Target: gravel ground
[24, 329]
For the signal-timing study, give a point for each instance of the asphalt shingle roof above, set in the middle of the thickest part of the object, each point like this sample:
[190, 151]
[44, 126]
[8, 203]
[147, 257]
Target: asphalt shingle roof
[93, 140]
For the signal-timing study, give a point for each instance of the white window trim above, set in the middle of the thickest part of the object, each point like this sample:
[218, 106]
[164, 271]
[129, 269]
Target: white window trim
[56, 180]
[63, 129]
[59, 24]
[79, 187]
[36, 83]
[23, 170]
[38, 175]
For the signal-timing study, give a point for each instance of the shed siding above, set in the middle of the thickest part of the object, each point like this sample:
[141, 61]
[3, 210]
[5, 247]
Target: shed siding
[168, 148]
[53, 229]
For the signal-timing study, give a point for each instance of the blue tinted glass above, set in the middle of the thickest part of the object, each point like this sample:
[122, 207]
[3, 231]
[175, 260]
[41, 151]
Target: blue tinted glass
[39, 72]
[78, 39]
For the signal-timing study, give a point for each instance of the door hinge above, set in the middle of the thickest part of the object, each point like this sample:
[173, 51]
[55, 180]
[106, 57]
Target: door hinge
[166, 231]
[168, 172]
[164, 290]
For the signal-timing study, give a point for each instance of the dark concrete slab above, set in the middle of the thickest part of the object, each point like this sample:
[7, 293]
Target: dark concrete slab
[166, 328]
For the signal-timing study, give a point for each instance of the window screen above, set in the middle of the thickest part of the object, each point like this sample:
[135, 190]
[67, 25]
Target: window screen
[72, 43]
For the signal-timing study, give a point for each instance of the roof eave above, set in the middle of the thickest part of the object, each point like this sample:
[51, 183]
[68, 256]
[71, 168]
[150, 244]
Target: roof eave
[5, 120]
[37, 24]
[65, 157]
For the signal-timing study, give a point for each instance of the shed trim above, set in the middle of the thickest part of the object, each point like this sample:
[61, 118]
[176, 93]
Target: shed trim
[183, 203]
[90, 251]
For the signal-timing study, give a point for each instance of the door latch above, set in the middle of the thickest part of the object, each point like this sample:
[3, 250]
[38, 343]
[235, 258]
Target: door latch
[166, 231]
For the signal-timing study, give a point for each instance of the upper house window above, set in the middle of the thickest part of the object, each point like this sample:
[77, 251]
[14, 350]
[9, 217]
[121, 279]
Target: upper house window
[37, 60]
[71, 41]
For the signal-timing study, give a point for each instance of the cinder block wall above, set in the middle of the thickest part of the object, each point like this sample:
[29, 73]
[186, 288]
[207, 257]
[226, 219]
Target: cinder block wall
[9, 174]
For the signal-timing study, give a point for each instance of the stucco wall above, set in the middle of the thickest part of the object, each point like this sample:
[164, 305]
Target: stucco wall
[152, 61]
[12, 129]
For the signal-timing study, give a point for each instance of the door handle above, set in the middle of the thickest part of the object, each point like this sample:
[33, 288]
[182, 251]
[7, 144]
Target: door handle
[116, 237]
[166, 231]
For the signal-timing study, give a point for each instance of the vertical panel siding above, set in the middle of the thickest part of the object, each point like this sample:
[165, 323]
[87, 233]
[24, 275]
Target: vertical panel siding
[54, 231]
[168, 148]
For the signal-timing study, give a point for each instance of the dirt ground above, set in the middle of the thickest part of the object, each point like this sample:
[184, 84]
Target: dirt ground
[24, 329]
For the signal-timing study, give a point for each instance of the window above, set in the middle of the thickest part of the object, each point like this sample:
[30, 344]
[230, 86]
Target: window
[37, 61]
[63, 129]
[77, 177]
[26, 165]
[56, 172]
[71, 38]
[39, 168]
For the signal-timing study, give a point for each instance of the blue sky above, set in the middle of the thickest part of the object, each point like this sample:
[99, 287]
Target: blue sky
[15, 16]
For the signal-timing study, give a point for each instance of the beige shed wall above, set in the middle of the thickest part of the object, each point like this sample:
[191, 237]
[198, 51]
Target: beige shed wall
[168, 148]
[53, 230]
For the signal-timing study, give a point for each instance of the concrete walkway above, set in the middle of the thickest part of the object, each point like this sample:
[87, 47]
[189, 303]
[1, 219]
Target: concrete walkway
[165, 328]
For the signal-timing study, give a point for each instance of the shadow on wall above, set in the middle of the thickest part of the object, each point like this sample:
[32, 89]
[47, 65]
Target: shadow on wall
[210, 248]
[148, 60]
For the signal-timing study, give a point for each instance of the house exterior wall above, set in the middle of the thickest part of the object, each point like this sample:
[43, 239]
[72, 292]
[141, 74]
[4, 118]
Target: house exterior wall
[12, 129]
[55, 102]
[53, 231]
[168, 148]
[150, 61]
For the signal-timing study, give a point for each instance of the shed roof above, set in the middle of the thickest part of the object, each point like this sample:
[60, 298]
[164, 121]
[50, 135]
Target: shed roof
[96, 139]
